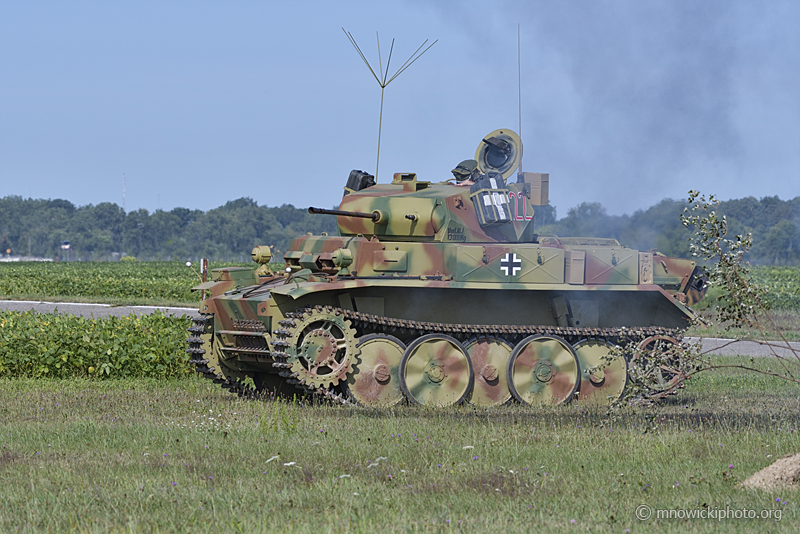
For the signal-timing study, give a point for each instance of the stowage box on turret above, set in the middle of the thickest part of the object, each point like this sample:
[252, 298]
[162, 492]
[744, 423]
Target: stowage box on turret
[442, 293]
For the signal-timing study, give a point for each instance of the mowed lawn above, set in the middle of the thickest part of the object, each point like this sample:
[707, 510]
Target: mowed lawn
[185, 456]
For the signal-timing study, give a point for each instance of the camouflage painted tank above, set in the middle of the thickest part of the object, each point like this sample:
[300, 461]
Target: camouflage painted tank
[440, 293]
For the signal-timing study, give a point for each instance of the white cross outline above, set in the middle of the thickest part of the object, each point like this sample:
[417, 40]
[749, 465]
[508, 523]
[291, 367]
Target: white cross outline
[514, 263]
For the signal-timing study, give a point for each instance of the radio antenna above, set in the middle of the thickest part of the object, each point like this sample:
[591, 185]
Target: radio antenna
[519, 74]
[384, 79]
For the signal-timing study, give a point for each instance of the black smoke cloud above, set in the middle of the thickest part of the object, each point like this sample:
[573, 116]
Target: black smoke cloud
[632, 102]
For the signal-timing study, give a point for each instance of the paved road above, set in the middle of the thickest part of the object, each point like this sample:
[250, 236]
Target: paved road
[727, 347]
[91, 310]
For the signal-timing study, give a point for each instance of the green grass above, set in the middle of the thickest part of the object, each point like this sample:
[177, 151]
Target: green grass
[782, 285]
[787, 324]
[182, 455]
[147, 283]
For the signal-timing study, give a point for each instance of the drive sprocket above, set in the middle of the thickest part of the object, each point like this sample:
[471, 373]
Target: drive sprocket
[320, 347]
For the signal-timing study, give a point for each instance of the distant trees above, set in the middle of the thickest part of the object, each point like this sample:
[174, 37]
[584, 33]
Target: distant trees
[37, 228]
[780, 245]
[775, 225]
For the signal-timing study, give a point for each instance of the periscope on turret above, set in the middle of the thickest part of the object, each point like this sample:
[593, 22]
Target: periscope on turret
[438, 293]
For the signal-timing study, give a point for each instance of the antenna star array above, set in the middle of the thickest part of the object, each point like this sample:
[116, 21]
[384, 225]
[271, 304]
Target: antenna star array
[384, 79]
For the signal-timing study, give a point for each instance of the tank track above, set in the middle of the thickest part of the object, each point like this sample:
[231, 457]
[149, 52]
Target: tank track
[465, 331]
[388, 325]
[380, 324]
[197, 353]
[200, 326]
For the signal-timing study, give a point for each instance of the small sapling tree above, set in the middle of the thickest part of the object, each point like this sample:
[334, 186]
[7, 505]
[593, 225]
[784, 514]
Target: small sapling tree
[660, 368]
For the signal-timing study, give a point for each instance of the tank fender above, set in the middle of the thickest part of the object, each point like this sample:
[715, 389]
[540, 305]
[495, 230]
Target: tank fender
[204, 286]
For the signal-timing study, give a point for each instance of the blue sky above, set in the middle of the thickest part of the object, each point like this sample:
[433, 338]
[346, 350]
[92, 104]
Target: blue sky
[197, 103]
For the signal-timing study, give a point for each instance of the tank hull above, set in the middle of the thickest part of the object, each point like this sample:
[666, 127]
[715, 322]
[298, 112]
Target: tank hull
[405, 291]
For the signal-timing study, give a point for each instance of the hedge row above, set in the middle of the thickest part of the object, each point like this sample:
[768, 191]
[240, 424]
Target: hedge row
[67, 346]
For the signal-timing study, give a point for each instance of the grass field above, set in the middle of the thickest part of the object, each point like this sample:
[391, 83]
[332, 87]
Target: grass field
[182, 455]
[135, 283]
[781, 297]
[786, 324]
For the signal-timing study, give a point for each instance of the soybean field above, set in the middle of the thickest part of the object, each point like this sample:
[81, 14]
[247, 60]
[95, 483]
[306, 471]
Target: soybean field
[131, 282]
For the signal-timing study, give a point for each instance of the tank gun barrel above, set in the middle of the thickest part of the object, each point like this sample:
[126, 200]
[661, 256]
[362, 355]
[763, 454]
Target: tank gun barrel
[375, 216]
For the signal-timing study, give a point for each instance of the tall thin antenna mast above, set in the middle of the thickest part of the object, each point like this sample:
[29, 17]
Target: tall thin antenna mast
[519, 74]
[384, 74]
[123, 193]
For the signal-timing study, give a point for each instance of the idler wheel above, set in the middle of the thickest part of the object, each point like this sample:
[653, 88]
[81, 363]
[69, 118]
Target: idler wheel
[602, 381]
[436, 371]
[375, 378]
[489, 357]
[669, 374]
[543, 370]
[213, 364]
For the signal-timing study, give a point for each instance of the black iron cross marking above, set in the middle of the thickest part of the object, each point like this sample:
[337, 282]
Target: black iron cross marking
[512, 263]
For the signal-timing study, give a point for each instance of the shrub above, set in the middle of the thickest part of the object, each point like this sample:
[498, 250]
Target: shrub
[66, 346]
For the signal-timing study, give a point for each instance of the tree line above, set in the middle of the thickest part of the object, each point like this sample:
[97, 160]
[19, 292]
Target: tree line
[774, 223]
[37, 227]
[98, 233]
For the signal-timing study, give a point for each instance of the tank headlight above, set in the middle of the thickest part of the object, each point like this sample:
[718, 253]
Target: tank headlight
[342, 258]
[261, 255]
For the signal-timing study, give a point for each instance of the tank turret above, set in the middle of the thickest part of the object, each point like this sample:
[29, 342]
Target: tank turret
[482, 208]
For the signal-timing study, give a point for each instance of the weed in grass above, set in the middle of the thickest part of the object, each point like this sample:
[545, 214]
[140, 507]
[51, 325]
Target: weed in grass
[283, 417]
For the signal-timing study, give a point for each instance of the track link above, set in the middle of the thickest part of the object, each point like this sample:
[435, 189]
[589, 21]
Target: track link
[202, 325]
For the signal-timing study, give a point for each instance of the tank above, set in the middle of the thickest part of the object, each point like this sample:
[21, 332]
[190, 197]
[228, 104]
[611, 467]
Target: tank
[438, 293]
